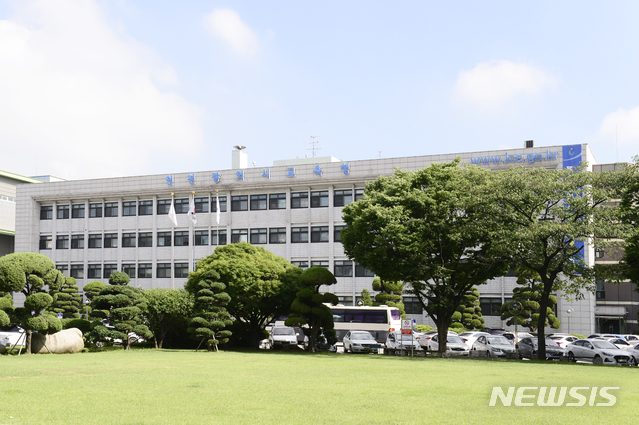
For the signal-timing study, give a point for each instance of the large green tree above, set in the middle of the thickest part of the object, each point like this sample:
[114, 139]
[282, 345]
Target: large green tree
[430, 228]
[546, 218]
[261, 285]
[67, 299]
[166, 310]
[525, 305]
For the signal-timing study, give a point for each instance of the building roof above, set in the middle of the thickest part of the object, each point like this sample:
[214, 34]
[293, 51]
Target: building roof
[18, 177]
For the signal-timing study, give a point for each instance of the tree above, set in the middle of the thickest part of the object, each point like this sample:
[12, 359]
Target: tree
[546, 218]
[527, 295]
[429, 228]
[210, 316]
[629, 208]
[308, 309]
[468, 315]
[166, 308]
[365, 298]
[261, 285]
[31, 274]
[67, 300]
[390, 294]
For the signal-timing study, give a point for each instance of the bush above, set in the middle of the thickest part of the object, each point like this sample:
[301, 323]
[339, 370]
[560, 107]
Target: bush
[423, 328]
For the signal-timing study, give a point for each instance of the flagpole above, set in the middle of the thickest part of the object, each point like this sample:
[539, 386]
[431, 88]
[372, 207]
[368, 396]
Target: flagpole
[172, 245]
[193, 232]
[217, 219]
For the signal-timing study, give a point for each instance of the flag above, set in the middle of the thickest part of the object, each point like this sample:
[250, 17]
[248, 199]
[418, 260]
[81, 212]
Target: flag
[217, 209]
[192, 215]
[172, 215]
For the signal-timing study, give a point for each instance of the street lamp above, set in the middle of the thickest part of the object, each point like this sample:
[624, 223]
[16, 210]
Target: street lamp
[569, 312]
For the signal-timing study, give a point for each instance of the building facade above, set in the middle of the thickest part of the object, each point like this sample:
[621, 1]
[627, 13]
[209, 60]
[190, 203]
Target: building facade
[8, 183]
[91, 228]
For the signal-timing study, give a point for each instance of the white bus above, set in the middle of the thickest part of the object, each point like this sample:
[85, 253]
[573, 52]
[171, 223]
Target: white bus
[377, 320]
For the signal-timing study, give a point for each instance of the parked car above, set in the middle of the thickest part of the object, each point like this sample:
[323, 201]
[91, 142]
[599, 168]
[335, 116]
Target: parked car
[469, 338]
[360, 342]
[282, 336]
[454, 345]
[597, 351]
[10, 338]
[602, 336]
[423, 340]
[398, 341]
[632, 338]
[621, 344]
[496, 345]
[510, 336]
[529, 347]
[634, 352]
[563, 339]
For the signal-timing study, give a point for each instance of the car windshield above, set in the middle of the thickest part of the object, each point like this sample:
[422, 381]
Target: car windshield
[454, 340]
[602, 344]
[361, 335]
[498, 340]
[406, 337]
[283, 331]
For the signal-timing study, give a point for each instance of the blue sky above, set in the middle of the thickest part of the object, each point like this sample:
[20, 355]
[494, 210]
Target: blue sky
[111, 88]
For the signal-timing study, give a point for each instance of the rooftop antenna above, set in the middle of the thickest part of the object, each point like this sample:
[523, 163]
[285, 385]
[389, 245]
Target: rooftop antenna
[617, 143]
[313, 148]
[379, 154]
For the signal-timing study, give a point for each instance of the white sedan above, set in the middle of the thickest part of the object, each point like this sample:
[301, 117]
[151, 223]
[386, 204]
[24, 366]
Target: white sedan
[454, 345]
[597, 351]
[360, 342]
[495, 345]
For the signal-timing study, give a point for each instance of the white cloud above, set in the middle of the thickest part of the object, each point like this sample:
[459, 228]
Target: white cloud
[621, 125]
[85, 98]
[496, 83]
[227, 25]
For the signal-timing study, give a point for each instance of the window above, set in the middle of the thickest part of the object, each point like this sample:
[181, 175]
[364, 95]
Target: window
[258, 236]
[319, 263]
[145, 208]
[110, 209]
[163, 270]
[181, 270]
[46, 212]
[299, 234]
[77, 211]
[359, 194]
[145, 271]
[412, 305]
[214, 240]
[345, 300]
[129, 208]
[299, 200]
[63, 211]
[277, 201]
[319, 234]
[239, 235]
[201, 237]
[258, 202]
[129, 269]
[46, 242]
[600, 290]
[343, 268]
[201, 205]
[342, 197]
[95, 210]
[128, 240]
[490, 306]
[145, 239]
[337, 233]
[109, 269]
[300, 264]
[77, 271]
[164, 205]
[95, 241]
[77, 242]
[222, 200]
[110, 240]
[64, 268]
[62, 242]
[164, 238]
[277, 235]
[599, 253]
[319, 199]
[362, 271]
[181, 238]
[239, 203]
[182, 206]
[95, 271]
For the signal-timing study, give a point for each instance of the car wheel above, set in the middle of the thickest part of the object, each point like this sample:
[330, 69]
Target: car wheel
[571, 357]
[633, 361]
[597, 360]
[345, 348]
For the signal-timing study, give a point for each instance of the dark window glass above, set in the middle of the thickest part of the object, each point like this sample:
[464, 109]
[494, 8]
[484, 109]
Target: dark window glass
[145, 208]
[95, 210]
[77, 242]
[277, 235]
[222, 240]
[337, 233]
[63, 211]
[277, 201]
[164, 205]
[145, 271]
[181, 270]
[164, 238]
[95, 271]
[362, 271]
[64, 268]
[110, 209]
[319, 199]
[145, 239]
[343, 268]
[490, 306]
[181, 238]
[319, 263]
[46, 212]
[129, 208]
[600, 290]
[359, 194]
[201, 237]
[77, 211]
[128, 240]
[239, 203]
[77, 271]
[319, 234]
[109, 269]
[62, 242]
[299, 234]
[299, 200]
[222, 200]
[301, 264]
[46, 242]
[95, 241]
[182, 206]
[258, 202]
[201, 205]
[110, 240]
[258, 236]
[239, 235]
[163, 270]
[342, 197]
[412, 305]
[129, 269]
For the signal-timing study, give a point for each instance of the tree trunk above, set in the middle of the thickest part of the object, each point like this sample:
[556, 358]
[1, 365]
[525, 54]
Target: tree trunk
[541, 323]
[27, 348]
[442, 334]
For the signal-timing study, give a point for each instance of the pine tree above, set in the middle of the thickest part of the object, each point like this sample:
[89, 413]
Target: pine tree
[67, 299]
[468, 314]
[528, 295]
[390, 294]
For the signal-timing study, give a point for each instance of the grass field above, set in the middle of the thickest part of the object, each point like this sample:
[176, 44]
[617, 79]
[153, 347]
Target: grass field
[184, 387]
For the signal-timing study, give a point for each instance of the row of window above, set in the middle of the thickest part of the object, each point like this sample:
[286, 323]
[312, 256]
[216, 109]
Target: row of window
[273, 235]
[273, 201]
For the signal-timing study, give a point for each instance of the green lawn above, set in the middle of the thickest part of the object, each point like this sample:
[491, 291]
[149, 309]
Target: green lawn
[173, 387]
